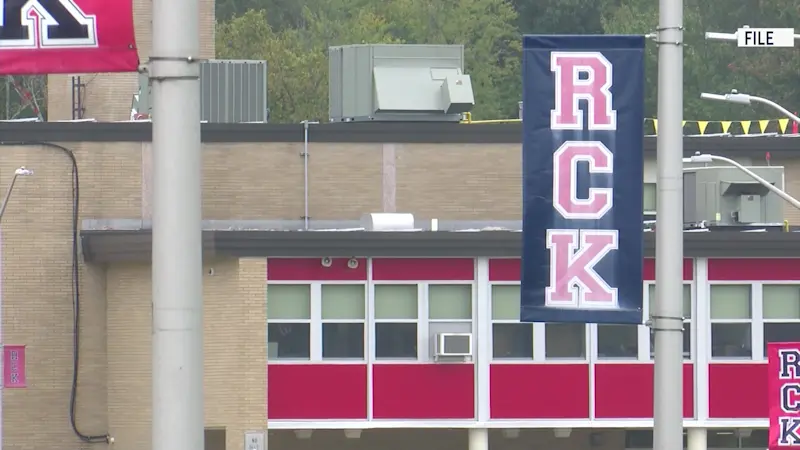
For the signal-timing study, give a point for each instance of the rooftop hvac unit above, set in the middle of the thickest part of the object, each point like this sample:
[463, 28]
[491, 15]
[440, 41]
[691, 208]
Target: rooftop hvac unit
[728, 196]
[231, 91]
[398, 83]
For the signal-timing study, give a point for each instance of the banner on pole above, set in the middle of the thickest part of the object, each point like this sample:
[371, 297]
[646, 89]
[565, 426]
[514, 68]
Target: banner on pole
[783, 388]
[14, 370]
[582, 179]
[66, 36]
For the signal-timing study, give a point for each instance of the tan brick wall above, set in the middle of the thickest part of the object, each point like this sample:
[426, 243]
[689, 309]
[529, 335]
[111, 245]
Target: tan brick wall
[235, 351]
[107, 97]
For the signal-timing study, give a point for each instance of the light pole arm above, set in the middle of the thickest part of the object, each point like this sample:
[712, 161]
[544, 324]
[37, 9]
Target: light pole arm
[8, 195]
[775, 106]
[782, 194]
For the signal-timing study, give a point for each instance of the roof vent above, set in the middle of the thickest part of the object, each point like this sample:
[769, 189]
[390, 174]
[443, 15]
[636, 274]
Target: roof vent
[388, 222]
[388, 83]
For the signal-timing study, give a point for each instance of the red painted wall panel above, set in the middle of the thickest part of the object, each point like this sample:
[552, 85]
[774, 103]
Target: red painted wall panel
[626, 391]
[753, 269]
[737, 391]
[649, 269]
[311, 269]
[423, 269]
[509, 269]
[539, 391]
[316, 391]
[423, 391]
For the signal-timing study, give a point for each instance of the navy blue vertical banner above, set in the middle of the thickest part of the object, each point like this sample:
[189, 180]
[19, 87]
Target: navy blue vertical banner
[583, 115]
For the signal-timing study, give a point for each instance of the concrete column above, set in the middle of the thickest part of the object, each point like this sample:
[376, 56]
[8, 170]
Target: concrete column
[478, 439]
[697, 439]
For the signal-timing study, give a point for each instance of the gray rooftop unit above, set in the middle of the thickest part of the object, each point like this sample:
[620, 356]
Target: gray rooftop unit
[231, 91]
[398, 83]
[728, 196]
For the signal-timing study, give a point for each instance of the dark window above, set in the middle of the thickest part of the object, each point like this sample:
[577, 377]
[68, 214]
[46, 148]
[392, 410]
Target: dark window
[395, 340]
[512, 340]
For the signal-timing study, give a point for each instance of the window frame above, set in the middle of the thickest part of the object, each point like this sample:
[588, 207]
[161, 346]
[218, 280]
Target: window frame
[424, 355]
[316, 321]
[539, 344]
[645, 355]
[364, 322]
[758, 325]
[309, 321]
[755, 321]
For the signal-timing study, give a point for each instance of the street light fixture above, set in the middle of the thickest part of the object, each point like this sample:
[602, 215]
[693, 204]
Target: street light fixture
[746, 99]
[21, 172]
[705, 158]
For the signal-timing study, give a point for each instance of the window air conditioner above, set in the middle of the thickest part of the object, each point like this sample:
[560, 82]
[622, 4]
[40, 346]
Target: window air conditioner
[454, 345]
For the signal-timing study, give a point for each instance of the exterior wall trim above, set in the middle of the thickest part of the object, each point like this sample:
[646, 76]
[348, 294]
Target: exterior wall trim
[501, 424]
[104, 246]
[362, 132]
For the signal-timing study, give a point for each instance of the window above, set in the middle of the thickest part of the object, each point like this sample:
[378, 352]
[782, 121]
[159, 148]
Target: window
[396, 314]
[450, 302]
[510, 338]
[731, 314]
[781, 310]
[687, 318]
[343, 319]
[565, 341]
[617, 341]
[650, 194]
[288, 321]
[635, 439]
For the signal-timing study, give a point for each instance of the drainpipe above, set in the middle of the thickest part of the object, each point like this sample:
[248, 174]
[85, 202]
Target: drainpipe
[306, 123]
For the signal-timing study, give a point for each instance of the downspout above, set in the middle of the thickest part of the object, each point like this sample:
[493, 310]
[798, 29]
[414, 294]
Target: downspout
[305, 155]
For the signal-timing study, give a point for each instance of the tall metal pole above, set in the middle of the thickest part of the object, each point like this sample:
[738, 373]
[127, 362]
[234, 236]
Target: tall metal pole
[668, 314]
[177, 229]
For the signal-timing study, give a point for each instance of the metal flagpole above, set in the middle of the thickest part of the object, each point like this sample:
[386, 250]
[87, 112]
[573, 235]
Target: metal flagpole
[177, 228]
[668, 314]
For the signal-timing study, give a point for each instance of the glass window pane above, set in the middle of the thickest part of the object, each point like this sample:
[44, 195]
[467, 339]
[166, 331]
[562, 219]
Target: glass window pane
[343, 340]
[505, 302]
[687, 299]
[781, 301]
[396, 340]
[288, 340]
[450, 302]
[730, 301]
[759, 438]
[564, 340]
[512, 340]
[781, 332]
[723, 439]
[288, 302]
[687, 340]
[650, 194]
[731, 340]
[617, 341]
[396, 301]
[343, 301]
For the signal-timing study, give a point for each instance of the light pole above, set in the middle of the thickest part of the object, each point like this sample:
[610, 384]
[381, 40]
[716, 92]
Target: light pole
[704, 158]
[667, 317]
[21, 172]
[746, 99]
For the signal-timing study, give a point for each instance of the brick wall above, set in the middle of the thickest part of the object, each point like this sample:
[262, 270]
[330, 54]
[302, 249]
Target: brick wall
[241, 181]
[107, 97]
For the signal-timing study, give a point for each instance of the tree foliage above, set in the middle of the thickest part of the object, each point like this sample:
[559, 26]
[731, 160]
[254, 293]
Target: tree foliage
[294, 35]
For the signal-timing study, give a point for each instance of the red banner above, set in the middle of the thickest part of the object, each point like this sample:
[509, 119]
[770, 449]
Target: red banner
[14, 374]
[784, 395]
[40, 37]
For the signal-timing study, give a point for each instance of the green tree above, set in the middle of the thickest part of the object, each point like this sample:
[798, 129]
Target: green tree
[297, 56]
